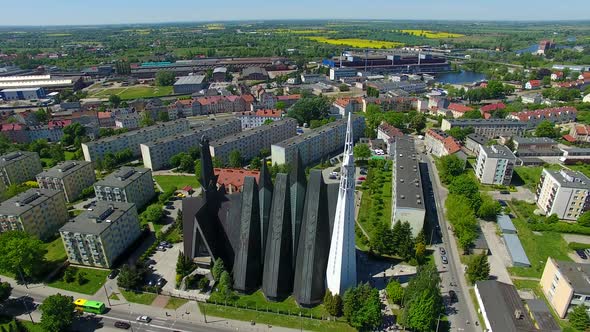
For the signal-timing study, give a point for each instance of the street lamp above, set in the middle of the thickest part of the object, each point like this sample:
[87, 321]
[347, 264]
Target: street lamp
[27, 307]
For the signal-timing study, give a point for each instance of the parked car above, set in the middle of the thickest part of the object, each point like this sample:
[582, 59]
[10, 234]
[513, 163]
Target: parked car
[144, 319]
[161, 282]
[363, 171]
[362, 178]
[504, 192]
[502, 202]
[169, 207]
[442, 251]
[587, 251]
[444, 259]
[113, 274]
[453, 296]
[161, 248]
[122, 325]
[581, 254]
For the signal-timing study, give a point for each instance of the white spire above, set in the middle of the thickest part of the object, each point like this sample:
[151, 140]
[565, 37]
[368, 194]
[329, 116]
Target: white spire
[341, 270]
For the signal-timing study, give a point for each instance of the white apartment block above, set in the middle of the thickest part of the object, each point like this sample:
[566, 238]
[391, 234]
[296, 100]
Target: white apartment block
[250, 142]
[317, 144]
[99, 237]
[127, 184]
[71, 177]
[495, 165]
[20, 166]
[253, 119]
[564, 193]
[156, 154]
[96, 150]
[39, 212]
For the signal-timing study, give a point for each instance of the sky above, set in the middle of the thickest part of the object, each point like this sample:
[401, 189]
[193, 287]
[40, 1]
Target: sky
[90, 12]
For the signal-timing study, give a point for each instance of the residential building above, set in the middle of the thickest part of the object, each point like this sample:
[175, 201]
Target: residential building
[317, 144]
[487, 110]
[106, 119]
[22, 94]
[474, 141]
[535, 147]
[503, 310]
[189, 84]
[407, 193]
[556, 75]
[564, 193]
[250, 142]
[490, 128]
[127, 121]
[388, 133]
[233, 178]
[288, 100]
[534, 98]
[39, 212]
[98, 237]
[219, 104]
[533, 85]
[440, 143]
[348, 105]
[555, 115]
[495, 165]
[156, 154]
[253, 119]
[458, 110]
[96, 150]
[127, 184]
[19, 166]
[565, 285]
[71, 177]
[580, 132]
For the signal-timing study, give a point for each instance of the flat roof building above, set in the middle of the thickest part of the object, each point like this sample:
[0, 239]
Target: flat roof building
[490, 128]
[565, 284]
[39, 212]
[19, 166]
[98, 237]
[564, 193]
[473, 141]
[535, 147]
[505, 224]
[495, 165]
[127, 184]
[189, 84]
[515, 250]
[71, 177]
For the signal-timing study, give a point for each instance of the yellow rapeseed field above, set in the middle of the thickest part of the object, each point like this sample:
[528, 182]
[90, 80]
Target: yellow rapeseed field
[433, 34]
[356, 42]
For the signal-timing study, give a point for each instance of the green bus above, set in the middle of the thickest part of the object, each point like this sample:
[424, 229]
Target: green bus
[94, 307]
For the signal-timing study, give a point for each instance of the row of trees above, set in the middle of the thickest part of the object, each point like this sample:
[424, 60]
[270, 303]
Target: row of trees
[405, 121]
[398, 241]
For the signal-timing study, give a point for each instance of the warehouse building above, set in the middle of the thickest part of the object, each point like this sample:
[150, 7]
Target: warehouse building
[189, 84]
[22, 94]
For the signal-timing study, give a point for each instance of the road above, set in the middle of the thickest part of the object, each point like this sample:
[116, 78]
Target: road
[462, 314]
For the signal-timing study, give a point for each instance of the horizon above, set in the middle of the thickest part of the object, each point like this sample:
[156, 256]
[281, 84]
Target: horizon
[110, 12]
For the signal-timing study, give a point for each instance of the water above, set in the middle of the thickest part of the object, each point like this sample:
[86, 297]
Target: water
[460, 77]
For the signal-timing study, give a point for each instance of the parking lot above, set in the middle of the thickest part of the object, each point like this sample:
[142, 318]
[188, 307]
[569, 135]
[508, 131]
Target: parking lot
[165, 266]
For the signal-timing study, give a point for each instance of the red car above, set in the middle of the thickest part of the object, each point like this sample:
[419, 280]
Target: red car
[362, 178]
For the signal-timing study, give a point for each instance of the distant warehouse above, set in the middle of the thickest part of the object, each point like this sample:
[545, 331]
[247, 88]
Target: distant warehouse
[317, 144]
[189, 84]
[47, 82]
[22, 94]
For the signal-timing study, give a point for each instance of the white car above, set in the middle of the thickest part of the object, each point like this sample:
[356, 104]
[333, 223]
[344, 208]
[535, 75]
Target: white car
[144, 319]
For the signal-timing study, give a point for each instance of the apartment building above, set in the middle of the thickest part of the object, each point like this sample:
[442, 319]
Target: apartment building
[98, 237]
[250, 142]
[565, 285]
[253, 119]
[71, 177]
[39, 212]
[127, 121]
[564, 193]
[490, 128]
[440, 143]
[19, 166]
[474, 141]
[536, 146]
[96, 150]
[127, 184]
[156, 154]
[555, 115]
[495, 165]
[317, 144]
[407, 193]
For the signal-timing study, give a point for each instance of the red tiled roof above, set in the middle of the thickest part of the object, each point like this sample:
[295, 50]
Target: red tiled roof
[345, 101]
[583, 130]
[12, 127]
[586, 76]
[248, 98]
[459, 108]
[390, 130]
[535, 82]
[492, 107]
[270, 113]
[289, 97]
[452, 145]
[58, 123]
[104, 115]
[234, 177]
[569, 138]
[526, 115]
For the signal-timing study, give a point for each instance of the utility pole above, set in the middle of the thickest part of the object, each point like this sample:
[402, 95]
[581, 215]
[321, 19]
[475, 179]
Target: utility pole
[204, 312]
[27, 307]
[20, 272]
[107, 294]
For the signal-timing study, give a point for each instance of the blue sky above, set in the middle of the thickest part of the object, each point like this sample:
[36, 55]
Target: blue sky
[74, 12]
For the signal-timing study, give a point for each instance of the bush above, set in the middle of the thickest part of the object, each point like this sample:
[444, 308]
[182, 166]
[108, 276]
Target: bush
[69, 275]
[203, 283]
[81, 278]
[578, 246]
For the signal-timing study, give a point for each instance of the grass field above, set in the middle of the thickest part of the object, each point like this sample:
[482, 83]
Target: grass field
[376, 200]
[531, 175]
[135, 92]
[176, 181]
[58, 34]
[141, 298]
[356, 42]
[175, 303]
[96, 278]
[274, 319]
[55, 251]
[433, 34]
[537, 247]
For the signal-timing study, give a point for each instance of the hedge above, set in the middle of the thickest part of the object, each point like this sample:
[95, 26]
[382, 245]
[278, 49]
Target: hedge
[560, 227]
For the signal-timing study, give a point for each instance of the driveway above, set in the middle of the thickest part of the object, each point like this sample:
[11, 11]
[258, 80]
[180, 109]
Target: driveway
[498, 258]
[521, 194]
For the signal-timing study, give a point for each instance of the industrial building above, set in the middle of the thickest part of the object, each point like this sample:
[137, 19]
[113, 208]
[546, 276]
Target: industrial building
[379, 62]
[46, 82]
[564, 193]
[22, 94]
[71, 177]
[189, 84]
[127, 184]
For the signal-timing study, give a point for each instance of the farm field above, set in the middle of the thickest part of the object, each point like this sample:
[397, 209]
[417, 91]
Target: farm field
[356, 42]
[134, 92]
[433, 34]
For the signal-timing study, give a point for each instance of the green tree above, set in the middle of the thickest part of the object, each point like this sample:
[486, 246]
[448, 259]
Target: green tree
[57, 313]
[146, 120]
[165, 78]
[450, 167]
[81, 278]
[311, 108]
[69, 275]
[395, 291]
[578, 318]
[187, 163]
[280, 105]
[225, 286]
[255, 163]
[163, 116]
[362, 307]
[478, 268]
[333, 304]
[362, 151]
[584, 219]
[5, 291]
[472, 115]
[546, 129]
[184, 265]
[235, 159]
[466, 186]
[418, 122]
[381, 239]
[74, 134]
[405, 248]
[153, 214]
[218, 268]
[422, 299]
[372, 92]
[115, 101]
[267, 122]
[130, 277]
[21, 252]
[489, 208]
[41, 115]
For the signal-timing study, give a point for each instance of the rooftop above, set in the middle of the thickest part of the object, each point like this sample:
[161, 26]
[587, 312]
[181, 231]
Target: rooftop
[234, 177]
[570, 179]
[193, 79]
[477, 138]
[251, 132]
[196, 129]
[515, 249]
[63, 169]
[295, 140]
[23, 89]
[534, 140]
[158, 126]
[122, 177]
[25, 201]
[12, 157]
[505, 223]
[99, 219]
[498, 151]
[407, 172]
[578, 275]
[485, 122]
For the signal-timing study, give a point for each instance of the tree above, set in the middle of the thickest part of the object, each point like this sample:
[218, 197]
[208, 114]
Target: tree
[381, 239]
[405, 248]
[225, 286]
[489, 208]
[362, 307]
[115, 101]
[372, 92]
[362, 151]
[418, 122]
[333, 304]
[478, 268]
[255, 163]
[547, 129]
[69, 275]
[198, 169]
[153, 213]
[21, 253]
[218, 268]
[450, 167]
[129, 277]
[81, 278]
[163, 116]
[422, 299]
[146, 120]
[584, 219]
[41, 115]
[184, 265]
[267, 122]
[310, 108]
[235, 159]
[74, 134]
[187, 164]
[466, 186]
[578, 318]
[165, 78]
[395, 291]
[5, 291]
[280, 105]
[57, 313]
[472, 115]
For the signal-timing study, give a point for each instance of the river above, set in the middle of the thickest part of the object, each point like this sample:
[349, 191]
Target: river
[460, 77]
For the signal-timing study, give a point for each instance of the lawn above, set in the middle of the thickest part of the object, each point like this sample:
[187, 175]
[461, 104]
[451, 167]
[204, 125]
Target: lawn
[376, 200]
[530, 176]
[294, 322]
[96, 278]
[537, 247]
[175, 303]
[141, 298]
[55, 251]
[433, 34]
[176, 181]
[135, 92]
[356, 42]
